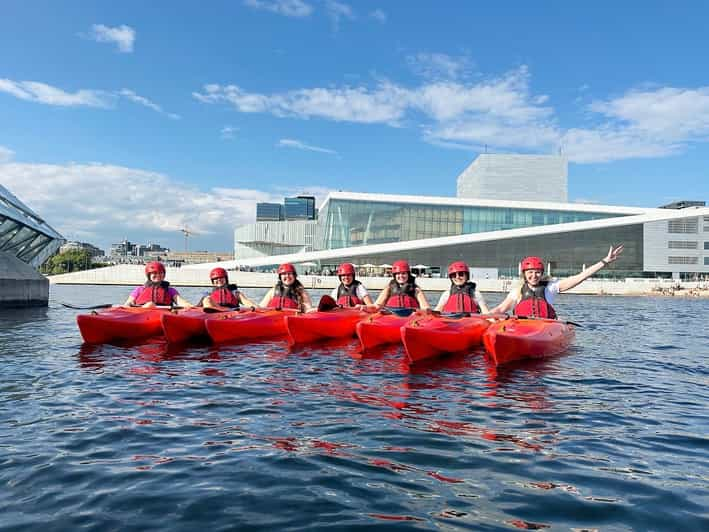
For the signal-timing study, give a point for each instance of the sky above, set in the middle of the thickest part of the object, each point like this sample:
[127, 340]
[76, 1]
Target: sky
[138, 119]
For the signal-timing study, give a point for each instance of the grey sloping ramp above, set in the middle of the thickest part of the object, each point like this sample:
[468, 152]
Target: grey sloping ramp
[20, 284]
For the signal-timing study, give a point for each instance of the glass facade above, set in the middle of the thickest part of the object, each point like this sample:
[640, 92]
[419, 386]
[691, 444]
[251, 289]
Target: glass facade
[23, 233]
[346, 223]
[566, 253]
[269, 212]
[300, 208]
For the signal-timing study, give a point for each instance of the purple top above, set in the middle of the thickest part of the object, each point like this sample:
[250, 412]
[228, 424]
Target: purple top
[139, 289]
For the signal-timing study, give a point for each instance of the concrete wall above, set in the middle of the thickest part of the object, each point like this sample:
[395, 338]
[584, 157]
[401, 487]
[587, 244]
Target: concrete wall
[20, 284]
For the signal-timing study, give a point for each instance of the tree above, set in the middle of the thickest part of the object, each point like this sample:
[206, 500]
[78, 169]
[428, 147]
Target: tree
[69, 261]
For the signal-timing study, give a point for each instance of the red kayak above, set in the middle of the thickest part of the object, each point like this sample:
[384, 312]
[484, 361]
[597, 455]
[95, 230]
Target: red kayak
[266, 323]
[336, 323]
[380, 329]
[187, 325]
[519, 338]
[120, 323]
[429, 336]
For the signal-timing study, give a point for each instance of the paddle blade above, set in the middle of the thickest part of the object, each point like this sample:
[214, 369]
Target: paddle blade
[326, 303]
[90, 307]
[402, 312]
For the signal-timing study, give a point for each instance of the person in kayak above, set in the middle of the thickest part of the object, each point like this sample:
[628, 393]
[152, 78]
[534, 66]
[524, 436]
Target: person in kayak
[350, 293]
[288, 292]
[156, 291]
[463, 294]
[535, 294]
[225, 296]
[402, 290]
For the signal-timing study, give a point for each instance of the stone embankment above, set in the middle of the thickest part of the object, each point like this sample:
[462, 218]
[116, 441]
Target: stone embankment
[132, 275]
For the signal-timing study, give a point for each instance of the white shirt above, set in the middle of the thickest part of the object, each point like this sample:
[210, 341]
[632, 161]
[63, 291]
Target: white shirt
[445, 295]
[550, 291]
[360, 292]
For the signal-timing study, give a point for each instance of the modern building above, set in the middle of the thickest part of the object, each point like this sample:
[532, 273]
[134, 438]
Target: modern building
[26, 241]
[264, 239]
[269, 212]
[494, 234]
[515, 177]
[300, 208]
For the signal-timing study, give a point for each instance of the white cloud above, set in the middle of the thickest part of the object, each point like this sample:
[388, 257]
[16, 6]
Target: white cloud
[228, 132]
[337, 11]
[498, 112]
[123, 36]
[6, 154]
[35, 91]
[288, 8]
[347, 104]
[132, 96]
[439, 66]
[109, 203]
[378, 15]
[297, 144]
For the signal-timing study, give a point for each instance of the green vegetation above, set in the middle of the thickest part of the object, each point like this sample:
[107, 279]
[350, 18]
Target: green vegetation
[69, 261]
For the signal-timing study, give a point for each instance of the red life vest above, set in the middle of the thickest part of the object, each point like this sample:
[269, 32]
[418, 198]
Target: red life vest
[158, 293]
[226, 296]
[462, 299]
[347, 295]
[284, 297]
[534, 303]
[402, 295]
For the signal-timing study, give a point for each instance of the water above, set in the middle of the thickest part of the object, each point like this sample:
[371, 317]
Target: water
[612, 436]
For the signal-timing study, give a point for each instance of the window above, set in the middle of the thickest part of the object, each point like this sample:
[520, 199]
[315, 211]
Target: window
[706, 261]
[680, 244]
[682, 260]
[706, 245]
[685, 225]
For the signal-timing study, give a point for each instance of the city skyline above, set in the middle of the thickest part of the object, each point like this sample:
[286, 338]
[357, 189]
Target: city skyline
[134, 119]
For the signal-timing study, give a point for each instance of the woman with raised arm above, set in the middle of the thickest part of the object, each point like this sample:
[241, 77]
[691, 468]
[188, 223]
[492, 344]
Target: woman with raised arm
[535, 295]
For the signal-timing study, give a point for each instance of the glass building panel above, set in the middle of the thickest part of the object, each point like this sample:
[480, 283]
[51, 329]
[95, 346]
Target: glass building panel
[346, 223]
[19, 239]
[8, 228]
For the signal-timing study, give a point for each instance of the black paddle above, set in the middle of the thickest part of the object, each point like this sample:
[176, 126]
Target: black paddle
[92, 307]
[536, 318]
[402, 312]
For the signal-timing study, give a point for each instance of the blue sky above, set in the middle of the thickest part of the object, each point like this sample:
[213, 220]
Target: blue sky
[134, 119]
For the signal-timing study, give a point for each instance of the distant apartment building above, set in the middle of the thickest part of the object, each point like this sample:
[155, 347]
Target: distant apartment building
[515, 177]
[81, 246]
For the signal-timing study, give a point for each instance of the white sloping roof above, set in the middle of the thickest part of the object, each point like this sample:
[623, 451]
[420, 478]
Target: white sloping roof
[648, 215]
[477, 202]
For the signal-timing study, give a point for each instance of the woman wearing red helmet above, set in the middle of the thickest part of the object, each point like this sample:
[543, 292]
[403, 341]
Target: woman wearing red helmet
[402, 290]
[535, 294]
[224, 296]
[288, 292]
[350, 293]
[463, 295]
[156, 290]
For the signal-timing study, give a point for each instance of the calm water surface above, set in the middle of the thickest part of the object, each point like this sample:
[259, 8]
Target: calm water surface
[614, 435]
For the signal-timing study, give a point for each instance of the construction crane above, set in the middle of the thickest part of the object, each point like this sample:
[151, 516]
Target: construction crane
[185, 231]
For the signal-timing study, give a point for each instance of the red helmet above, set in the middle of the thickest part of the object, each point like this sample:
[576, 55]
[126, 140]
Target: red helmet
[287, 267]
[400, 266]
[154, 267]
[346, 269]
[532, 263]
[458, 266]
[218, 273]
